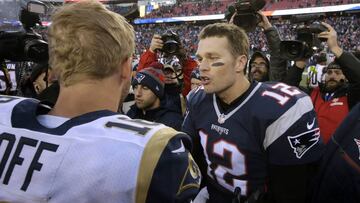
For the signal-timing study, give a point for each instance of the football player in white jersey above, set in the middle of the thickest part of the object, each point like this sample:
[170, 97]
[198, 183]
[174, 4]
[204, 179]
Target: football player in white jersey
[80, 150]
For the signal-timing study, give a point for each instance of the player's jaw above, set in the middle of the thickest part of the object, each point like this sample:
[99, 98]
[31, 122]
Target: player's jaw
[139, 103]
[331, 84]
[211, 84]
[258, 75]
[207, 83]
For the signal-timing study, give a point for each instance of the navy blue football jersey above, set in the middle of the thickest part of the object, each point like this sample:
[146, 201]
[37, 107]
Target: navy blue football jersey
[100, 156]
[273, 123]
[339, 177]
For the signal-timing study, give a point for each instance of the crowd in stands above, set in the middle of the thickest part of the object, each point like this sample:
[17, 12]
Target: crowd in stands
[9, 10]
[347, 27]
[208, 7]
[123, 10]
[184, 8]
[271, 134]
[188, 33]
[293, 4]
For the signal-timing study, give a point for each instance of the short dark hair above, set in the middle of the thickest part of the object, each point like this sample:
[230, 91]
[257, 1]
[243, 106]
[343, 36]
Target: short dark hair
[238, 40]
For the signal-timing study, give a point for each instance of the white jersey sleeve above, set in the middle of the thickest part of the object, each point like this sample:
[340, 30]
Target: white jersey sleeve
[97, 157]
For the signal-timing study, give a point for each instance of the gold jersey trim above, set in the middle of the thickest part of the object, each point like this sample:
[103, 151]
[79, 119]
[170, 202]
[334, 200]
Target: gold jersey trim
[149, 160]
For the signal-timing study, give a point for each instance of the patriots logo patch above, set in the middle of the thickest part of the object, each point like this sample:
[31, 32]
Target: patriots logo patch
[303, 142]
[139, 77]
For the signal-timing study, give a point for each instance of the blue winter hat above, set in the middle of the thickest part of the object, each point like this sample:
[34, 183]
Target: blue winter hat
[151, 78]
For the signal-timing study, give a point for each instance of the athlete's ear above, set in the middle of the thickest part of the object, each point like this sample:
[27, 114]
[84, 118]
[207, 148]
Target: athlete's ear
[241, 62]
[126, 68]
[36, 87]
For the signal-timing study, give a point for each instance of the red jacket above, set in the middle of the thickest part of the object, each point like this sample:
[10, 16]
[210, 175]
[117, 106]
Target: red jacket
[330, 113]
[188, 66]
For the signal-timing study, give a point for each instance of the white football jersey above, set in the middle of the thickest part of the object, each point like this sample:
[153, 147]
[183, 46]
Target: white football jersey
[315, 75]
[97, 157]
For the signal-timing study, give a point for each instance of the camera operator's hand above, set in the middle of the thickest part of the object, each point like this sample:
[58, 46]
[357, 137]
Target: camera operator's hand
[301, 63]
[156, 43]
[265, 23]
[231, 21]
[331, 37]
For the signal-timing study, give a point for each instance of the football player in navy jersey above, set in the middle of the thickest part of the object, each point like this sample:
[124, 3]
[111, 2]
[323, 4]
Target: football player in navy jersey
[254, 142]
[338, 179]
[81, 150]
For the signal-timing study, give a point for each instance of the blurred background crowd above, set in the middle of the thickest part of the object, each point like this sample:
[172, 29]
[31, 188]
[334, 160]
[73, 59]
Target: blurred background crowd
[346, 24]
[180, 68]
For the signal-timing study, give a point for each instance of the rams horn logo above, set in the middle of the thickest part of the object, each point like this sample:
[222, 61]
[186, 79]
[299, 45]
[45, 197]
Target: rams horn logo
[303, 142]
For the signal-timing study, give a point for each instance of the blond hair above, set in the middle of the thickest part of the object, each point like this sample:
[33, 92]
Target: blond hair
[87, 41]
[237, 38]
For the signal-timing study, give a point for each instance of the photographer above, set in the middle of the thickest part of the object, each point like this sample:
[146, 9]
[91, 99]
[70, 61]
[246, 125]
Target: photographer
[187, 63]
[340, 90]
[260, 67]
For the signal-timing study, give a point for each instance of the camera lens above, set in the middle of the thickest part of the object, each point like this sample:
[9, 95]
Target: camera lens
[171, 47]
[294, 49]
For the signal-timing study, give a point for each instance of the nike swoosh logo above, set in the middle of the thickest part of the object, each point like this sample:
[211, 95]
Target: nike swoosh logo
[181, 149]
[310, 126]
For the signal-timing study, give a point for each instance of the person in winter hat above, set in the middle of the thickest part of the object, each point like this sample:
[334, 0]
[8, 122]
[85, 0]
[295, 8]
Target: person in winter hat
[259, 67]
[150, 102]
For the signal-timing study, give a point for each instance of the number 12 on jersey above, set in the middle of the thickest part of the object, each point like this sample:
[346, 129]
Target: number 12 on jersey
[231, 165]
[286, 89]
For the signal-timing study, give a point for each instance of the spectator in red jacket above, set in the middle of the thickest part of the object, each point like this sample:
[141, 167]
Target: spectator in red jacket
[340, 90]
[187, 63]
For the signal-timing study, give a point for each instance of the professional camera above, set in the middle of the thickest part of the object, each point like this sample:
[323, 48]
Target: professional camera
[171, 43]
[307, 41]
[25, 45]
[246, 13]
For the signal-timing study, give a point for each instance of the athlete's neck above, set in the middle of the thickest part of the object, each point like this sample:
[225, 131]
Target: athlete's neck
[235, 91]
[86, 97]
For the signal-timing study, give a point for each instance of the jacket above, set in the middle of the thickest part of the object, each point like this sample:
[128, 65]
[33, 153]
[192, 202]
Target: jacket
[163, 114]
[348, 94]
[278, 65]
[187, 67]
[337, 108]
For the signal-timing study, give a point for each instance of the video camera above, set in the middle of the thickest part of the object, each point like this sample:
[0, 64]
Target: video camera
[18, 46]
[246, 15]
[171, 43]
[307, 41]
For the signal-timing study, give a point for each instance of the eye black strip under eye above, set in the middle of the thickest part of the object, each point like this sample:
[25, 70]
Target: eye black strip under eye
[216, 64]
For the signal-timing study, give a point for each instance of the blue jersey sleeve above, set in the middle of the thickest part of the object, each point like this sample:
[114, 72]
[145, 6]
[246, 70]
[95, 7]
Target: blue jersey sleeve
[294, 138]
[339, 174]
[192, 100]
[188, 124]
[176, 177]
